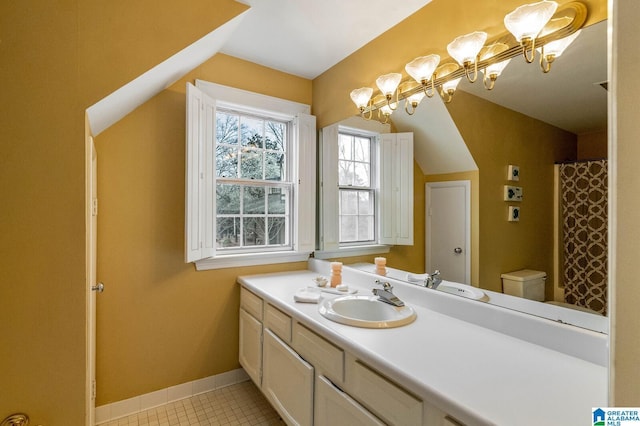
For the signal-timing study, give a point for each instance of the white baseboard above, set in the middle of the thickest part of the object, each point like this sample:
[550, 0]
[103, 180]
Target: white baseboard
[116, 410]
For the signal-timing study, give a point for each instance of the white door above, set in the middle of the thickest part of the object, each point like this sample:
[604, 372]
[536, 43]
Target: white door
[92, 286]
[448, 230]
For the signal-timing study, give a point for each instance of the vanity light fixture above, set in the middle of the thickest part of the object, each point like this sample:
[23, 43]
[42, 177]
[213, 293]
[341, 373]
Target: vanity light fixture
[422, 69]
[526, 22]
[413, 100]
[544, 27]
[493, 71]
[361, 98]
[448, 89]
[388, 84]
[553, 50]
[385, 112]
[465, 49]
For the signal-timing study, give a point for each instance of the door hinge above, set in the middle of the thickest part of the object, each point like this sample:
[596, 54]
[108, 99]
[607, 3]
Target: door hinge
[94, 207]
[93, 390]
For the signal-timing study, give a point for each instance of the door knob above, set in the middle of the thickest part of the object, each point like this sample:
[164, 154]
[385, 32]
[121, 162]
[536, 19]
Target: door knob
[457, 250]
[99, 288]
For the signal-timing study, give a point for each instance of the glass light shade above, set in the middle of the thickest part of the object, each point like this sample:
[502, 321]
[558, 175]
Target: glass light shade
[361, 96]
[555, 48]
[386, 110]
[451, 84]
[422, 68]
[496, 69]
[388, 83]
[416, 98]
[465, 48]
[528, 20]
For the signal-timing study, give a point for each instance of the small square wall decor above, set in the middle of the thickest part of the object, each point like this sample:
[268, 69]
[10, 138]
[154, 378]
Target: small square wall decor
[514, 214]
[513, 173]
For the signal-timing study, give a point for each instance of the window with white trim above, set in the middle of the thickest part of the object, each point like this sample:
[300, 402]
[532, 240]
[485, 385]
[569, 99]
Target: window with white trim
[366, 189]
[250, 177]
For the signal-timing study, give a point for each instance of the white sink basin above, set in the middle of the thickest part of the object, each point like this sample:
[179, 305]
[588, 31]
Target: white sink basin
[366, 311]
[462, 290]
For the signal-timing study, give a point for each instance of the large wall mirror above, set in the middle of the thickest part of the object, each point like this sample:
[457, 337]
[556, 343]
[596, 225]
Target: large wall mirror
[547, 125]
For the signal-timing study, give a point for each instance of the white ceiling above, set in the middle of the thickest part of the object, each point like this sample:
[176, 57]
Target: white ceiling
[307, 37]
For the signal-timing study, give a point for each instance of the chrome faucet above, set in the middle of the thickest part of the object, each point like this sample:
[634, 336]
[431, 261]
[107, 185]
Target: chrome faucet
[433, 280]
[385, 294]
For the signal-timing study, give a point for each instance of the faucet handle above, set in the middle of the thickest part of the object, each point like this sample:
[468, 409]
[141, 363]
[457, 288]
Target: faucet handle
[385, 285]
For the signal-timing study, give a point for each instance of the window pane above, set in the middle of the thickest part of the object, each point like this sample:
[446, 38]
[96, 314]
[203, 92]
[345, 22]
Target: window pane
[274, 166]
[348, 229]
[253, 231]
[227, 199]
[226, 128]
[274, 134]
[345, 146]
[226, 161]
[252, 130]
[253, 200]
[277, 200]
[345, 173]
[365, 228]
[348, 202]
[362, 149]
[251, 164]
[228, 232]
[361, 175]
[365, 203]
[277, 230]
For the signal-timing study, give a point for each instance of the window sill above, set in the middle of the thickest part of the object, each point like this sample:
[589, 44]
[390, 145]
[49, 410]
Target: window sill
[236, 261]
[352, 251]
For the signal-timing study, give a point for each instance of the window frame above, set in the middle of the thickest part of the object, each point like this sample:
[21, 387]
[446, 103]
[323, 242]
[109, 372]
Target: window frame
[371, 189]
[200, 174]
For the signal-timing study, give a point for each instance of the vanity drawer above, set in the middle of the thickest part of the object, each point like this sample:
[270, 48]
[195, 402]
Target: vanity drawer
[251, 303]
[386, 399]
[325, 356]
[278, 322]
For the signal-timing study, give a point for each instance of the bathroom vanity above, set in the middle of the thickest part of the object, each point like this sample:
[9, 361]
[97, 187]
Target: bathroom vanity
[458, 363]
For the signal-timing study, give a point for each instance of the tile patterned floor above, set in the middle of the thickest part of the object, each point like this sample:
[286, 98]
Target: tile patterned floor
[240, 404]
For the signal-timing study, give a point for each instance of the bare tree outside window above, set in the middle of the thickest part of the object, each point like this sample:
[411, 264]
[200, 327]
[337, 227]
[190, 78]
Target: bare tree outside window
[252, 191]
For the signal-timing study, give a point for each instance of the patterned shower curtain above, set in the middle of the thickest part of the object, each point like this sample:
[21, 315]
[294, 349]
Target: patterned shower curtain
[583, 188]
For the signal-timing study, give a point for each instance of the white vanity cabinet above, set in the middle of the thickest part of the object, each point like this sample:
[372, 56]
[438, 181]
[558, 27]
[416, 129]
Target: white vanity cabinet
[287, 381]
[334, 407]
[312, 381]
[250, 345]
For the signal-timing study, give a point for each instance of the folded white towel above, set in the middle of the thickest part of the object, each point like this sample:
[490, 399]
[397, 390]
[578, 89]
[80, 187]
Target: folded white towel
[417, 278]
[305, 296]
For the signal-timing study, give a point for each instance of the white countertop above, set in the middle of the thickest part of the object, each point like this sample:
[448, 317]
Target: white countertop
[476, 374]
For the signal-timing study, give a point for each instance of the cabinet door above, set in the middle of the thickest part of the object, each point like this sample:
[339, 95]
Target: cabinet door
[250, 350]
[287, 381]
[333, 407]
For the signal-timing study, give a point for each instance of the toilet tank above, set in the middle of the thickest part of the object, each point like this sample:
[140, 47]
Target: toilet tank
[525, 283]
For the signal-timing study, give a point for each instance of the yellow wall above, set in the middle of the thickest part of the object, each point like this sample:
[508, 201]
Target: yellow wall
[497, 137]
[592, 145]
[160, 322]
[58, 58]
[473, 177]
[42, 254]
